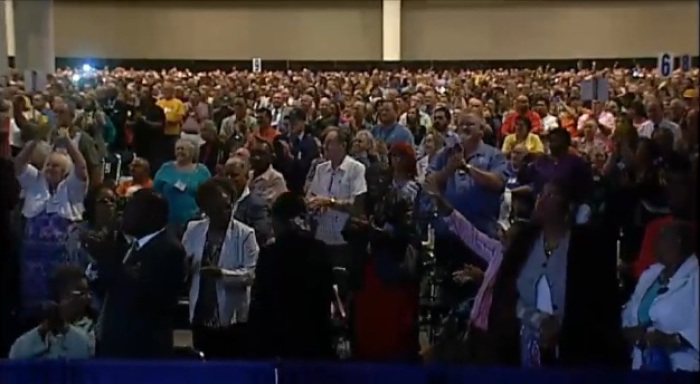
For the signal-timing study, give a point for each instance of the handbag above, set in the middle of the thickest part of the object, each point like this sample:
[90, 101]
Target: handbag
[655, 359]
[530, 354]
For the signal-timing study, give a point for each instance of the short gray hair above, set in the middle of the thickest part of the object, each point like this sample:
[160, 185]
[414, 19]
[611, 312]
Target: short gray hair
[190, 145]
[235, 161]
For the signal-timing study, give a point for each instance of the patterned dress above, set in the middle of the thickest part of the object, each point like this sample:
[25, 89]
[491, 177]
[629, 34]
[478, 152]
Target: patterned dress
[387, 305]
[45, 247]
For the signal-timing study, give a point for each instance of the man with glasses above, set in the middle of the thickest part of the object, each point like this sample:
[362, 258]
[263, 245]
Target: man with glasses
[249, 209]
[471, 173]
[472, 177]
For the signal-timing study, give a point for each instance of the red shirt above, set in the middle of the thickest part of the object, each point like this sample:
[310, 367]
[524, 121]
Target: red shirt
[509, 125]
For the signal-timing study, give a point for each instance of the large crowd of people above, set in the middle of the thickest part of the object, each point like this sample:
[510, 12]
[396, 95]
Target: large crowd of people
[327, 215]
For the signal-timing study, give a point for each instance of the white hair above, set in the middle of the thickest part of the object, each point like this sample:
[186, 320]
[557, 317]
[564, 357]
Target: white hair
[64, 158]
[192, 147]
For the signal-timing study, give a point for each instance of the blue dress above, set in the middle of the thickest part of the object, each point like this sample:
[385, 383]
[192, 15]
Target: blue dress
[45, 247]
[180, 188]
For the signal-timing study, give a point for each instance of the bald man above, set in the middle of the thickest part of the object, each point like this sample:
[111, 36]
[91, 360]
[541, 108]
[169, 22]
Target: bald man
[522, 109]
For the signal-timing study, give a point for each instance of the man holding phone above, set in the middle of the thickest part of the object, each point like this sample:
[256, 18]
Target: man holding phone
[471, 176]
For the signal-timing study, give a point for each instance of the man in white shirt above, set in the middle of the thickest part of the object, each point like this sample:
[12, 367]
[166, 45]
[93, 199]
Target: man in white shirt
[549, 122]
[333, 195]
[655, 113]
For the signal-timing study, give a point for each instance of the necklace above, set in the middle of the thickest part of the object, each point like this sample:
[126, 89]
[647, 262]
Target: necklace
[549, 248]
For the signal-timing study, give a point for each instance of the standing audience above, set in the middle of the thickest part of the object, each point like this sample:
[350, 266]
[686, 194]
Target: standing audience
[524, 262]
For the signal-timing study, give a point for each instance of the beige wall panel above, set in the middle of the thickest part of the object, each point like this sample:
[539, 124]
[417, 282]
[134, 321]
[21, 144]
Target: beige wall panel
[219, 30]
[555, 29]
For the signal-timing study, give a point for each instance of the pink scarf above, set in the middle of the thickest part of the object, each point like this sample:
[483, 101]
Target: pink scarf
[488, 249]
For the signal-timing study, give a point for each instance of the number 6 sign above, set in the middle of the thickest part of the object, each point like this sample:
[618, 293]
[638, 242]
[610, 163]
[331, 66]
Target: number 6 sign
[665, 64]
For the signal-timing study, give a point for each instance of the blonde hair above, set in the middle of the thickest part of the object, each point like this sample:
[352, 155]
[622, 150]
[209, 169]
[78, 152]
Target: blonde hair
[191, 146]
[370, 140]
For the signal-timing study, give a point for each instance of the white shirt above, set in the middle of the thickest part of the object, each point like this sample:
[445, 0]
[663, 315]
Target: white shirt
[422, 168]
[423, 119]
[142, 241]
[344, 183]
[239, 255]
[672, 312]
[605, 119]
[15, 135]
[646, 129]
[549, 122]
[244, 194]
[67, 200]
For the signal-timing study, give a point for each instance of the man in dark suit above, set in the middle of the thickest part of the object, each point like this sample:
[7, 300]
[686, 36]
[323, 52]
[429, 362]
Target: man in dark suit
[293, 269]
[295, 151]
[250, 209]
[142, 285]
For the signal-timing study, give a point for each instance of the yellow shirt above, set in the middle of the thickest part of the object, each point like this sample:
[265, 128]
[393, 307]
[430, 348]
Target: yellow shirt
[532, 143]
[174, 114]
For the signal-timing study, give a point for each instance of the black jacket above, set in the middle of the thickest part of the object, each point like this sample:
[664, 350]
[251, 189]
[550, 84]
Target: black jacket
[138, 311]
[291, 299]
[303, 152]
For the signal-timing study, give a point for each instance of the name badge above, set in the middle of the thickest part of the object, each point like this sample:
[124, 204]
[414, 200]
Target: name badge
[180, 186]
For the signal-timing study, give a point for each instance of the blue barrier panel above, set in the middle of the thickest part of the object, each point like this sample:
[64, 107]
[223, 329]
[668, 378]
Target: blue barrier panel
[350, 373]
[187, 372]
[136, 372]
[303, 373]
[460, 375]
[26, 372]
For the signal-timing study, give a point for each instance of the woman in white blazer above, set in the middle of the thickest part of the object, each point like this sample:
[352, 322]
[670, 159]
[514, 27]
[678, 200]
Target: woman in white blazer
[663, 310]
[222, 253]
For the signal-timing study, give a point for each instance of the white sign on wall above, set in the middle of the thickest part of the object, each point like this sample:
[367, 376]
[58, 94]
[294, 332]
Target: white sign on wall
[257, 65]
[665, 64]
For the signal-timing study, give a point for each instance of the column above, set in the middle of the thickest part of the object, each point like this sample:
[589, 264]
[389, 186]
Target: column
[391, 30]
[34, 40]
[4, 39]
